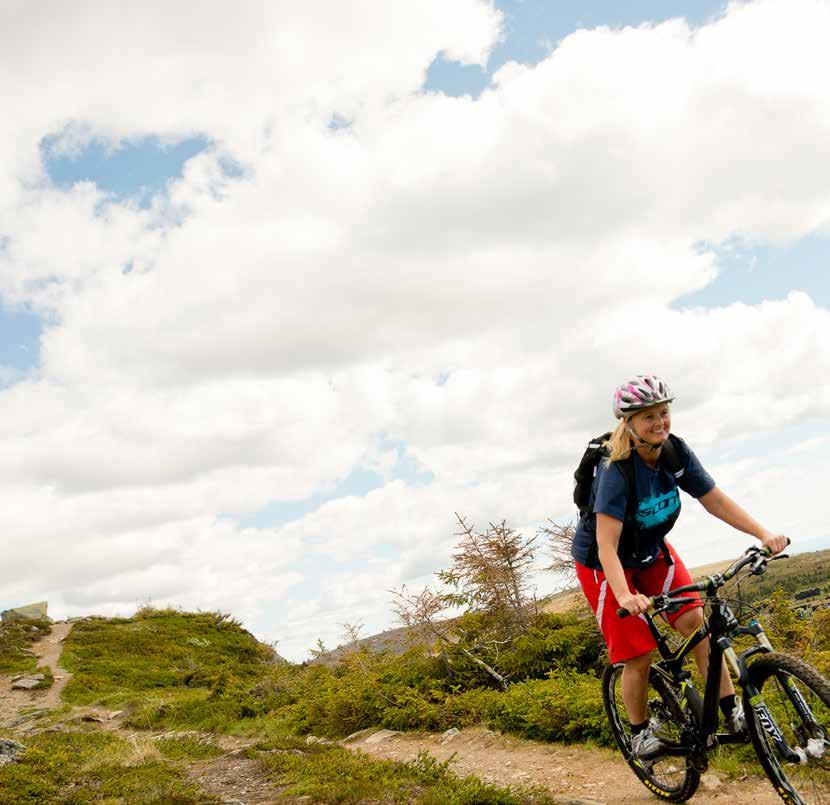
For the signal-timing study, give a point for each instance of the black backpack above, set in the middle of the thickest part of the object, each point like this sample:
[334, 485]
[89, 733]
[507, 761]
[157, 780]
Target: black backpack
[671, 458]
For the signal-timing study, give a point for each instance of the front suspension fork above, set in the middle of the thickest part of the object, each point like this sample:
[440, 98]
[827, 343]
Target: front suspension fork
[767, 722]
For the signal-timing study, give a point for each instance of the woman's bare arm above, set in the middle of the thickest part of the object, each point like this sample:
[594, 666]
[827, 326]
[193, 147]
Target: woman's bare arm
[609, 530]
[720, 505]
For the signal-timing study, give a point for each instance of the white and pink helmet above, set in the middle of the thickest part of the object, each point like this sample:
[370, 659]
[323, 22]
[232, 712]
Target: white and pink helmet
[641, 392]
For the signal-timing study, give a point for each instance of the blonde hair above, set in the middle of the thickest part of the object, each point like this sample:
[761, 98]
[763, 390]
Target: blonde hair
[620, 445]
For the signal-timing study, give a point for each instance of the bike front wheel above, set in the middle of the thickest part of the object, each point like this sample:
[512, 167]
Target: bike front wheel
[671, 777]
[789, 723]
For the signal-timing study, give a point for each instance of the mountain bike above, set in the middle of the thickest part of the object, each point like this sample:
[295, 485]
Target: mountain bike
[786, 701]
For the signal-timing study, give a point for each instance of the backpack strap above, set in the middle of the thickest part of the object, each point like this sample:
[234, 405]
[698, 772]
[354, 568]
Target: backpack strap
[673, 457]
[626, 469]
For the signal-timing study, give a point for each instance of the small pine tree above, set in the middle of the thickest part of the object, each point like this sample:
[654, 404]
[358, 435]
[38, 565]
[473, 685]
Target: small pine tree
[491, 573]
[490, 576]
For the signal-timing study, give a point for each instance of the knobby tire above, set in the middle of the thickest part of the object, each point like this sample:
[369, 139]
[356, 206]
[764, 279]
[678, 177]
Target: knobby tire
[794, 783]
[689, 778]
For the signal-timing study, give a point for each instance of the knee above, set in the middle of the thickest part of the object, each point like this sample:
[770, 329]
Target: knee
[689, 621]
[638, 665]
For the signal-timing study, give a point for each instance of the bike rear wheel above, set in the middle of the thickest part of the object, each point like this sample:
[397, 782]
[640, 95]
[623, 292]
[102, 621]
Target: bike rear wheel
[672, 777]
[780, 681]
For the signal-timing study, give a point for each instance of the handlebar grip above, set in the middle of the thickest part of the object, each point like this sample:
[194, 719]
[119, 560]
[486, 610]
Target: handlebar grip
[769, 552]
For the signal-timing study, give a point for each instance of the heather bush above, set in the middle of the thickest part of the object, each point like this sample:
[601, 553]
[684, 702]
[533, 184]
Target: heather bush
[565, 707]
[555, 642]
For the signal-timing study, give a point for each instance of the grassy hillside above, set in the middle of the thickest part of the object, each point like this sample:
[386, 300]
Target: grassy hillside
[119, 662]
[202, 675]
[791, 575]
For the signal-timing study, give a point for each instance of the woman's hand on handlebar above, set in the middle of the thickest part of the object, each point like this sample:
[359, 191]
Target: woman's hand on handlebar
[775, 543]
[635, 603]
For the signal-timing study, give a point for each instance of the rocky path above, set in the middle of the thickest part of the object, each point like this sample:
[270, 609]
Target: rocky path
[235, 780]
[48, 652]
[570, 773]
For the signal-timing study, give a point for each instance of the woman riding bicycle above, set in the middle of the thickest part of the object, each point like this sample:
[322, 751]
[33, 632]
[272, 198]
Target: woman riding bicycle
[620, 550]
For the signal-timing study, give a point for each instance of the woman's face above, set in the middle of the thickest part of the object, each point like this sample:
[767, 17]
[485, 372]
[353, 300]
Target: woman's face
[653, 424]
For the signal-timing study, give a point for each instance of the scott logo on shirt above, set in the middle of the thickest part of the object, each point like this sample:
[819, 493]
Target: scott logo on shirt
[654, 511]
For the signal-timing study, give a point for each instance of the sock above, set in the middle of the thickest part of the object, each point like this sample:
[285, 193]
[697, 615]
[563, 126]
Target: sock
[636, 729]
[727, 705]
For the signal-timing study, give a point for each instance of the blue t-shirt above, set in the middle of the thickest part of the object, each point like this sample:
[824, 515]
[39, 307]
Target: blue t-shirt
[658, 504]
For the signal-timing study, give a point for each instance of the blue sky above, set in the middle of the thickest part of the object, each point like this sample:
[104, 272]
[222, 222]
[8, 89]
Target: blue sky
[360, 481]
[533, 27]
[750, 273]
[135, 171]
[19, 338]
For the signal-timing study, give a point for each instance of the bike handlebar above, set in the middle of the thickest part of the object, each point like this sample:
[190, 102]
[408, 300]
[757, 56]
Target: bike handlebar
[752, 555]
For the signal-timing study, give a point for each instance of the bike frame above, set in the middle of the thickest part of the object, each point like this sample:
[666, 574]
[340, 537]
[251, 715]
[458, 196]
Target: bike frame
[719, 626]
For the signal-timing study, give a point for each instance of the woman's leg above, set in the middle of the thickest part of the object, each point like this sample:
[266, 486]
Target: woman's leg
[624, 638]
[634, 687]
[687, 623]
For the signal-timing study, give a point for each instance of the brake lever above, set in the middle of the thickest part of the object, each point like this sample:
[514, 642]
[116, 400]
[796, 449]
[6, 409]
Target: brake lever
[759, 566]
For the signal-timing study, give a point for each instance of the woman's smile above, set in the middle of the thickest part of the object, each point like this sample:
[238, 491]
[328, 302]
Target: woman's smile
[652, 424]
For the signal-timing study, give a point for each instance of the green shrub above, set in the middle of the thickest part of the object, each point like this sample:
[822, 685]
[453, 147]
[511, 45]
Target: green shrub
[470, 707]
[821, 630]
[411, 710]
[565, 707]
[337, 702]
[821, 660]
[555, 642]
[785, 628]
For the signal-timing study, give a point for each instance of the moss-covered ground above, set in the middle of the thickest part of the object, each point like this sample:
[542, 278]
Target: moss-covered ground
[81, 767]
[16, 640]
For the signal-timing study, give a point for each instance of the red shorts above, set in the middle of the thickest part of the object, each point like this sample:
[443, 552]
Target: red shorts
[630, 637]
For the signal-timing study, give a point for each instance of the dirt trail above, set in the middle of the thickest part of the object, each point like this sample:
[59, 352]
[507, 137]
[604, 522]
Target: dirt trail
[236, 779]
[48, 652]
[568, 772]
